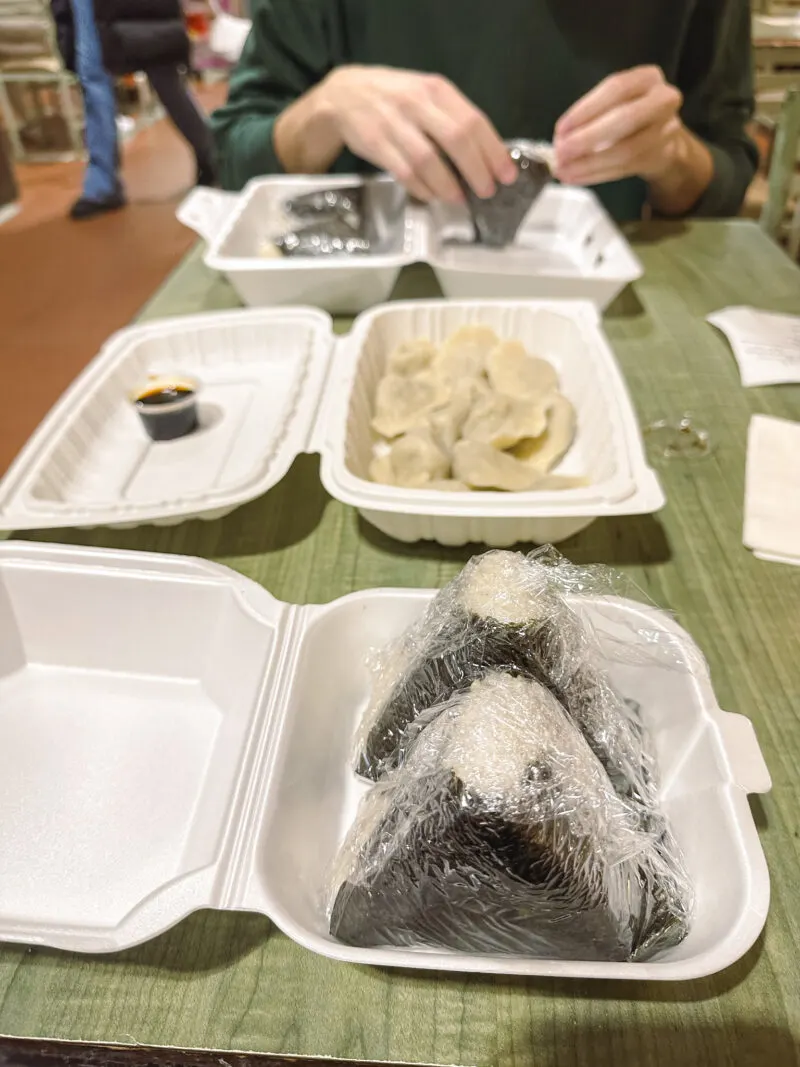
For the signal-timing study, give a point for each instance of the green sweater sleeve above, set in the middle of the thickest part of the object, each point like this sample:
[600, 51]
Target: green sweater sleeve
[287, 52]
[716, 78]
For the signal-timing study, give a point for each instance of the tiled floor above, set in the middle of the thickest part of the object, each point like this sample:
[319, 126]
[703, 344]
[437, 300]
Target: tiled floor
[66, 286]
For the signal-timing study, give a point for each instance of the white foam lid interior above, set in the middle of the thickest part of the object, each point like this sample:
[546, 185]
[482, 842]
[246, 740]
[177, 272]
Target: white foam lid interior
[172, 738]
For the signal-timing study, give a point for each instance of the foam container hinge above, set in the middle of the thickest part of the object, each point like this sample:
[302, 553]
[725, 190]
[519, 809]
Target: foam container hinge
[276, 383]
[567, 248]
[184, 741]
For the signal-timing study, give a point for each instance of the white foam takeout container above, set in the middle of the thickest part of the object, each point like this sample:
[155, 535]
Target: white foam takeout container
[567, 247]
[173, 738]
[275, 383]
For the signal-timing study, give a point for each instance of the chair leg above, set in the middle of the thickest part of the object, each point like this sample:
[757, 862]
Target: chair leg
[71, 117]
[794, 233]
[784, 162]
[10, 123]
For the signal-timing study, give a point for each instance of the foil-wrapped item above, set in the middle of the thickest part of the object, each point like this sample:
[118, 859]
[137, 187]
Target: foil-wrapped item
[334, 238]
[498, 218]
[334, 224]
[344, 204]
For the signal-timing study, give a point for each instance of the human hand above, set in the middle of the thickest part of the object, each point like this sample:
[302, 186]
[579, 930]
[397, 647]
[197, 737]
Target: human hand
[403, 121]
[627, 125]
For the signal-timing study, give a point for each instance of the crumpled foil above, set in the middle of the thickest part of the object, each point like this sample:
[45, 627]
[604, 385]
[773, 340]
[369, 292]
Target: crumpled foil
[334, 224]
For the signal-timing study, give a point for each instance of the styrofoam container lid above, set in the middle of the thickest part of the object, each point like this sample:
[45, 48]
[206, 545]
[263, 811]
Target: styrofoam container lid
[173, 738]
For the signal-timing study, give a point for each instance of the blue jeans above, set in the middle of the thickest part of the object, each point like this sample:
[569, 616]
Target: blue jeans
[101, 179]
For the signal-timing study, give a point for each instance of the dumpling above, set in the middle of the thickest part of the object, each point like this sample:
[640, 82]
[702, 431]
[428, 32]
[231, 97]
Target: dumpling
[501, 421]
[381, 469]
[446, 423]
[416, 459]
[511, 370]
[411, 357]
[542, 453]
[400, 401]
[483, 467]
[447, 485]
[464, 353]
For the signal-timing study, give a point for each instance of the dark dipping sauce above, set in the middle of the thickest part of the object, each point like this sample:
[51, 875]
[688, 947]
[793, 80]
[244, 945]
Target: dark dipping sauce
[167, 411]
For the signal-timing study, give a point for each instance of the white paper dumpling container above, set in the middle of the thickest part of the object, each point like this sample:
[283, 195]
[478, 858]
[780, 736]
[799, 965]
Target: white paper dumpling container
[185, 741]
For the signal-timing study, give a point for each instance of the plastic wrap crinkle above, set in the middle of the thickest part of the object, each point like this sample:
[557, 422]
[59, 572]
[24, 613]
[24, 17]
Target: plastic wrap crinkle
[515, 806]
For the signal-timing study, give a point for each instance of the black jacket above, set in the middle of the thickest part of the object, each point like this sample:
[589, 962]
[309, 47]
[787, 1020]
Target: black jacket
[134, 34]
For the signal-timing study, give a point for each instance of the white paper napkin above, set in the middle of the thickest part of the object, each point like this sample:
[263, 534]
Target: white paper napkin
[772, 490]
[766, 344]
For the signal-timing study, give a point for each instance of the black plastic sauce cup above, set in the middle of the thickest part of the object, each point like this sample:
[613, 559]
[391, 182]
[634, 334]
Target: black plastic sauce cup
[167, 407]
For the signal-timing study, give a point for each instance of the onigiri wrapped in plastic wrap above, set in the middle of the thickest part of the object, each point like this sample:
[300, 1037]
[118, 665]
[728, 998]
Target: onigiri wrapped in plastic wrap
[515, 809]
[505, 611]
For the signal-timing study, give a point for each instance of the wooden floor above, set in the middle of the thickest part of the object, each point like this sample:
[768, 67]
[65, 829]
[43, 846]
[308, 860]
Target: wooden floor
[66, 286]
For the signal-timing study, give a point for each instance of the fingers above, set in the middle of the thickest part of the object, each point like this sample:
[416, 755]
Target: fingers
[633, 155]
[626, 120]
[420, 166]
[608, 94]
[458, 145]
[467, 137]
[407, 122]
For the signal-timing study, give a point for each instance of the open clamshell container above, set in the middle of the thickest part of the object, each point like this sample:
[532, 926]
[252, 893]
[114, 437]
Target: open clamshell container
[567, 247]
[276, 383]
[173, 738]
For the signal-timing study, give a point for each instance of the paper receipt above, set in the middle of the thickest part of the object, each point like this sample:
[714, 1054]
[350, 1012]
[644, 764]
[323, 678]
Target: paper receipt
[766, 344]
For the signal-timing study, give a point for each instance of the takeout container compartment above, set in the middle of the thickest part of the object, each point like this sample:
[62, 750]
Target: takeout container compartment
[184, 741]
[608, 447]
[567, 248]
[236, 226]
[276, 383]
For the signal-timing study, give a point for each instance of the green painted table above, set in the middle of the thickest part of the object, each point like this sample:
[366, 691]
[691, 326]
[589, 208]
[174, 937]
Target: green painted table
[231, 982]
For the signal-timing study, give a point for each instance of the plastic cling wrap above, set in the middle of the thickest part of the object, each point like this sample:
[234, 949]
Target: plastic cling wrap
[515, 806]
[505, 611]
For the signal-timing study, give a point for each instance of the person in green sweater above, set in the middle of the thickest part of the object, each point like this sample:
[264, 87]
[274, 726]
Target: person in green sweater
[646, 101]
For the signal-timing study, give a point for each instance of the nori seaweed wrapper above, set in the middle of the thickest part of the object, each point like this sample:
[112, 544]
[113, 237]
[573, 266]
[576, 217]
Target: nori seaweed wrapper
[501, 833]
[497, 218]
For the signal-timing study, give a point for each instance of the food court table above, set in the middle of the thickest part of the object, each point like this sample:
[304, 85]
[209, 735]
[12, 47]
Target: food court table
[230, 982]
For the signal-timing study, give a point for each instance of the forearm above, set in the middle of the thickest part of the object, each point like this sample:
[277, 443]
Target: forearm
[687, 176]
[306, 137]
